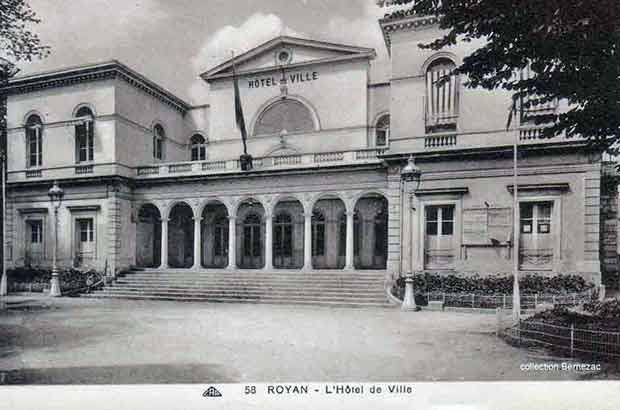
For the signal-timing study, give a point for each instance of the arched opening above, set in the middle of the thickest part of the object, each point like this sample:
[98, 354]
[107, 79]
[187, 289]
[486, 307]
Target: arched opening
[285, 115]
[84, 135]
[382, 131]
[215, 236]
[181, 236]
[198, 148]
[34, 140]
[288, 235]
[251, 235]
[442, 96]
[159, 135]
[371, 232]
[148, 237]
[326, 233]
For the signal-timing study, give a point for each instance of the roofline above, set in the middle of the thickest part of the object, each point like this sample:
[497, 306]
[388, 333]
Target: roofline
[285, 39]
[406, 23]
[352, 57]
[92, 72]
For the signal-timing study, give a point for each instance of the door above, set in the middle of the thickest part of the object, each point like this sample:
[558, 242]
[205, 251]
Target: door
[283, 241]
[439, 237]
[536, 241]
[34, 242]
[252, 243]
[220, 243]
[85, 252]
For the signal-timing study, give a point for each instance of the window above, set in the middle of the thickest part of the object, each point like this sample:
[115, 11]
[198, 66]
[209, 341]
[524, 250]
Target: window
[85, 135]
[283, 235]
[318, 234]
[199, 148]
[286, 115]
[34, 133]
[158, 141]
[36, 231]
[440, 220]
[530, 104]
[382, 131]
[86, 230]
[536, 217]
[442, 96]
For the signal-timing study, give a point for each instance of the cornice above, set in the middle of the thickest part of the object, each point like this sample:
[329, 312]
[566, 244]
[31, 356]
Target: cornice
[391, 25]
[90, 73]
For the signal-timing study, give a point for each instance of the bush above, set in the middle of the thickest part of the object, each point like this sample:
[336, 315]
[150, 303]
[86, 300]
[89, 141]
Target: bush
[598, 316]
[37, 280]
[494, 284]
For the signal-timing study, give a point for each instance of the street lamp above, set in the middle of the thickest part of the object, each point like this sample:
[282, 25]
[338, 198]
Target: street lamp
[55, 193]
[410, 176]
[7, 71]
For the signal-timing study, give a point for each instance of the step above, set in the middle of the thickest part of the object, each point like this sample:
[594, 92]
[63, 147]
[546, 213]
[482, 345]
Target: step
[250, 282]
[256, 287]
[255, 279]
[335, 292]
[225, 300]
[248, 295]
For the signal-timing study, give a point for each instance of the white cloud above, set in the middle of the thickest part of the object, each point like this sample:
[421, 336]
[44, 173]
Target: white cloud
[259, 28]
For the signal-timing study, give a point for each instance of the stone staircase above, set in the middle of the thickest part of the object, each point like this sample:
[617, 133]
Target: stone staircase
[328, 288]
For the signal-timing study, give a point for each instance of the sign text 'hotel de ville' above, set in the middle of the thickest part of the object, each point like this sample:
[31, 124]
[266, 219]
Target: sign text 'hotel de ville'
[293, 78]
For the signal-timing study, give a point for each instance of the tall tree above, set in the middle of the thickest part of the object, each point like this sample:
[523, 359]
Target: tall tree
[16, 39]
[17, 43]
[571, 47]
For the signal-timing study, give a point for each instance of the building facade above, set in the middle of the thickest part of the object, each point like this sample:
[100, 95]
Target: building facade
[153, 182]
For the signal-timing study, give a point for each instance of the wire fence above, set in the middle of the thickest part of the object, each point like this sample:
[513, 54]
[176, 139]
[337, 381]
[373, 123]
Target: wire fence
[504, 301]
[567, 340]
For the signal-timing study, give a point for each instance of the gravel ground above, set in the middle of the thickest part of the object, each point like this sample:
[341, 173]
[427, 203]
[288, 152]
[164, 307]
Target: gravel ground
[83, 341]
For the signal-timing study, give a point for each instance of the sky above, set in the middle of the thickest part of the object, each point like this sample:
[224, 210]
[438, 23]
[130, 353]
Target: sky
[173, 41]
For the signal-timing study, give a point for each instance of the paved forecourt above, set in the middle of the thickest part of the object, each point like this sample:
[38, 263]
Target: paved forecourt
[119, 341]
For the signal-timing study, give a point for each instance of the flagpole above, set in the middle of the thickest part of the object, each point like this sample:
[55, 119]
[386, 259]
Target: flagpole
[516, 297]
[232, 54]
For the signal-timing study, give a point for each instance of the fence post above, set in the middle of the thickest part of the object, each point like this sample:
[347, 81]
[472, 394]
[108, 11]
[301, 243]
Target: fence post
[535, 300]
[553, 300]
[574, 299]
[443, 298]
[504, 300]
[473, 300]
[498, 317]
[572, 339]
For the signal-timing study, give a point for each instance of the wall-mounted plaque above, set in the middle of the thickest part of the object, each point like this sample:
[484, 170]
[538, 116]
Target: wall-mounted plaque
[475, 226]
[500, 224]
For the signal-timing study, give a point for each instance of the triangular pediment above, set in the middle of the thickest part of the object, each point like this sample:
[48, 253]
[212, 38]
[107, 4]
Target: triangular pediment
[288, 52]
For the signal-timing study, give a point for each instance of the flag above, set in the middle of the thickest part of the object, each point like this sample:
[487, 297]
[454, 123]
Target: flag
[239, 112]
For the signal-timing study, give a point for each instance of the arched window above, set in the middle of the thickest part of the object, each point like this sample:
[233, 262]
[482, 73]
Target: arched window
[286, 115]
[442, 96]
[382, 131]
[158, 141]
[283, 235]
[199, 148]
[34, 138]
[318, 234]
[85, 135]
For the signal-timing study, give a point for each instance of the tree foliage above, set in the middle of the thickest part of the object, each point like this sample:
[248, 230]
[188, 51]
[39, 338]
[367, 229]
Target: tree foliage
[16, 39]
[572, 47]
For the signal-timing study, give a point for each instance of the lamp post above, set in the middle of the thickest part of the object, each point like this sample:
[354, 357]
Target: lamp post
[55, 193]
[410, 175]
[7, 71]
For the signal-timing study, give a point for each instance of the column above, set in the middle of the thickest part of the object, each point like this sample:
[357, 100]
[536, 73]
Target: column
[308, 241]
[164, 243]
[232, 242]
[197, 244]
[350, 248]
[268, 242]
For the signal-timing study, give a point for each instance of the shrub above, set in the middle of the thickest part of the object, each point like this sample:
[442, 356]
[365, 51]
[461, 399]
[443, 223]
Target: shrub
[37, 280]
[494, 284]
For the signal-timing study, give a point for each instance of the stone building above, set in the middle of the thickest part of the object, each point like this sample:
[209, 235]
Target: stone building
[153, 182]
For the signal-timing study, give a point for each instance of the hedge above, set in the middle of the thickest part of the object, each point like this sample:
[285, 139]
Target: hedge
[38, 280]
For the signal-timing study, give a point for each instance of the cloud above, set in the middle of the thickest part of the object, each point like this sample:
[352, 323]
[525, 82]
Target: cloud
[259, 28]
